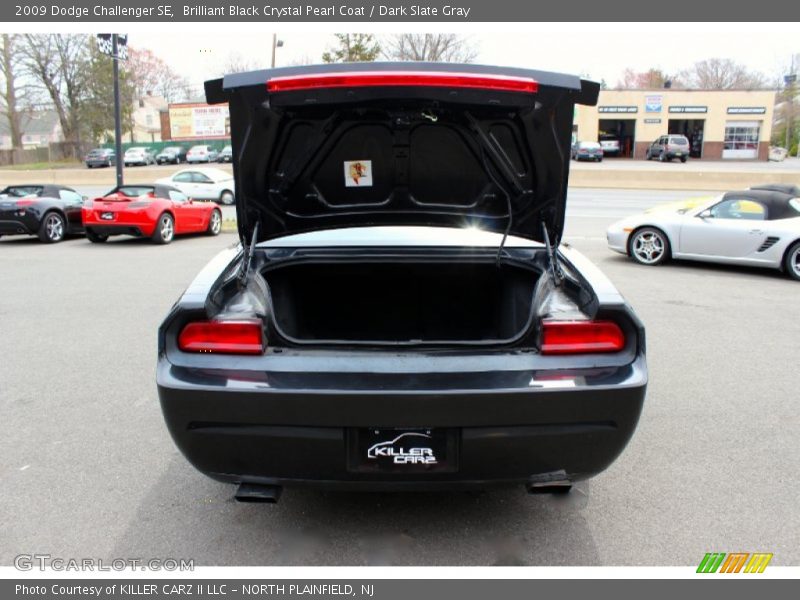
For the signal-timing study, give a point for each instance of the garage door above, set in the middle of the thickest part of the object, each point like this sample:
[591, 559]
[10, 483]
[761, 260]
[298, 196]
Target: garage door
[741, 139]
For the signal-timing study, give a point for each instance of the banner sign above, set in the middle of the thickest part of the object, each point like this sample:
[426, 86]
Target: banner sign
[653, 104]
[199, 121]
[746, 110]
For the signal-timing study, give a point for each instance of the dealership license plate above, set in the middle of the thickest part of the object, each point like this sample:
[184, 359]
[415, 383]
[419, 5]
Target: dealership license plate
[107, 216]
[417, 450]
[678, 153]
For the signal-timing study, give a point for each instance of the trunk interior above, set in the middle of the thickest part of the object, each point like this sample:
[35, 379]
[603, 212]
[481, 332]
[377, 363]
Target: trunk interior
[396, 302]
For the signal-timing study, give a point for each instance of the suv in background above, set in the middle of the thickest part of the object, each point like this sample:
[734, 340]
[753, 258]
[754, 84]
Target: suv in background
[610, 145]
[668, 147]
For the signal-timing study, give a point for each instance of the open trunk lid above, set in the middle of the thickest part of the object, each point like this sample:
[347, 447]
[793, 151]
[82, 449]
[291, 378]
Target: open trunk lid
[363, 144]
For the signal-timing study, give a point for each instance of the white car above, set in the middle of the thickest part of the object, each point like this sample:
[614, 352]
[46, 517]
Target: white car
[202, 153]
[204, 184]
[757, 227]
[138, 155]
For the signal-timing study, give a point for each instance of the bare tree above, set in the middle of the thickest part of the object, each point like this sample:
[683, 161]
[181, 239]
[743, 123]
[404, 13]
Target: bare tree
[353, 47]
[430, 47]
[149, 74]
[236, 63]
[9, 72]
[723, 74]
[58, 63]
[651, 79]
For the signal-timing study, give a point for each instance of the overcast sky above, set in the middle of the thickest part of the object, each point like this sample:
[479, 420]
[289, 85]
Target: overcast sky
[602, 51]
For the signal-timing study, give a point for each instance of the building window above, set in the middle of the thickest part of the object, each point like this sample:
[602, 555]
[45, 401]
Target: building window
[741, 139]
[149, 120]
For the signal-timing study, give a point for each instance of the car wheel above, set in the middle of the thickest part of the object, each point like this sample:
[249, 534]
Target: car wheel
[178, 160]
[95, 238]
[649, 246]
[165, 229]
[683, 159]
[215, 223]
[53, 228]
[647, 155]
[791, 262]
[599, 160]
[227, 198]
[662, 157]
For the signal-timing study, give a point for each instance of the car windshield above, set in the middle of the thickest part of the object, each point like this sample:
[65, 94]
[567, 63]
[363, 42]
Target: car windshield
[172, 149]
[133, 150]
[198, 148]
[133, 191]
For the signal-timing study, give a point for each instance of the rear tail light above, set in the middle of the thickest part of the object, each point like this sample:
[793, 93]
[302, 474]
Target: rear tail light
[581, 337]
[403, 79]
[223, 337]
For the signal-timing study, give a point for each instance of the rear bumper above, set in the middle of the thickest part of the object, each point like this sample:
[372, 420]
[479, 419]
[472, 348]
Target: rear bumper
[294, 428]
[18, 225]
[118, 229]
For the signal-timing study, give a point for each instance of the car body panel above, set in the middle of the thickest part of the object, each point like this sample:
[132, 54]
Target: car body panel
[138, 155]
[201, 153]
[100, 157]
[171, 154]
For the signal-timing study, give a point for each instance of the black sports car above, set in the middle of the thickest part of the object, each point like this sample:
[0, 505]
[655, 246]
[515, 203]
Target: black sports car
[400, 314]
[50, 212]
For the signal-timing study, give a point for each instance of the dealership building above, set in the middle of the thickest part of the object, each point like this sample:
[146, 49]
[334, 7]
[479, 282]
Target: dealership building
[720, 124]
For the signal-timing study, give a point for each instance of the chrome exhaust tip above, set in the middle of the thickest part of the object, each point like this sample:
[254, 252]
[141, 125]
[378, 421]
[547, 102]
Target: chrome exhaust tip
[255, 492]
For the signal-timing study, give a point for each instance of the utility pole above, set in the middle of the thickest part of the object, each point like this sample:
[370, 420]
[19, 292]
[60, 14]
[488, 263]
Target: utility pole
[276, 43]
[118, 161]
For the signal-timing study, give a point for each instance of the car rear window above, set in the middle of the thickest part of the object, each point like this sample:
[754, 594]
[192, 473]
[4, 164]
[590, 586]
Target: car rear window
[20, 191]
[679, 140]
[589, 145]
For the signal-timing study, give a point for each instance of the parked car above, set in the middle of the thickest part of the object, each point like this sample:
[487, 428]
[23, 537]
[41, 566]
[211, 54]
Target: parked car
[50, 212]
[587, 151]
[100, 157]
[610, 145]
[759, 228]
[385, 323]
[171, 154]
[139, 155]
[201, 154]
[203, 184]
[226, 155]
[668, 147]
[152, 210]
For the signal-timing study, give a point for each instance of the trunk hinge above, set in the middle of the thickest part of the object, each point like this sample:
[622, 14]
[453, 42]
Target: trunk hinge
[552, 257]
[247, 265]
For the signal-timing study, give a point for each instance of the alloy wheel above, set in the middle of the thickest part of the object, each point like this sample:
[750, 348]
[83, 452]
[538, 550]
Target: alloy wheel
[167, 229]
[648, 247]
[54, 225]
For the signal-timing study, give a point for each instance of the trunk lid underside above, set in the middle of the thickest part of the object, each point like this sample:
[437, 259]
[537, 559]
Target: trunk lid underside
[313, 158]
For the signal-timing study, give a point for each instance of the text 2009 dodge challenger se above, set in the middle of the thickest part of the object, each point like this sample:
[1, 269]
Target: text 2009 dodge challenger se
[400, 314]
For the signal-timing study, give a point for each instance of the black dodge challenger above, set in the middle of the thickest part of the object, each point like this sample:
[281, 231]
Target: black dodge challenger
[400, 313]
[50, 212]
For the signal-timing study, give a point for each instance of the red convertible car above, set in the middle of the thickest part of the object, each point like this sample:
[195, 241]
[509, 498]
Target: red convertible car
[155, 211]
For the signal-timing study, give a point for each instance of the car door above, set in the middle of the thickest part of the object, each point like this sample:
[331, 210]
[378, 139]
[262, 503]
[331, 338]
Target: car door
[734, 228]
[187, 217]
[205, 188]
[73, 208]
[184, 181]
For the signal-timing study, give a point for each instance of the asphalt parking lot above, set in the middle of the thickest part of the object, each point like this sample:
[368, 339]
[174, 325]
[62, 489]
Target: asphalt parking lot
[87, 468]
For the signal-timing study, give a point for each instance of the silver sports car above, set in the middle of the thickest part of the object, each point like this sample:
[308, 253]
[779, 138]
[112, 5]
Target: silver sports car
[756, 227]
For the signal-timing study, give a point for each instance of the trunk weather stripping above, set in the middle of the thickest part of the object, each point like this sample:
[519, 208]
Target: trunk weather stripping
[247, 264]
[552, 258]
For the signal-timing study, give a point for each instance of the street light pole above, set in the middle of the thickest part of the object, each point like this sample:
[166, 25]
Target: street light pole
[274, 46]
[117, 117]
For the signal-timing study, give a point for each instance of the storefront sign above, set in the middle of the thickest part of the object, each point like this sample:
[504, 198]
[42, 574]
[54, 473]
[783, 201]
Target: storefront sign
[617, 109]
[746, 110]
[688, 109]
[653, 104]
[652, 121]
